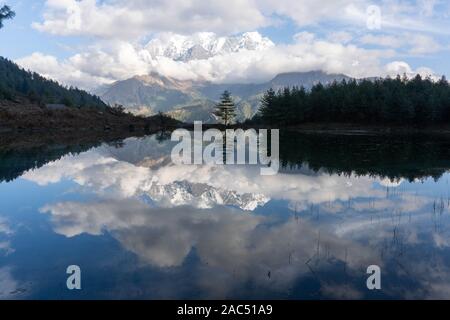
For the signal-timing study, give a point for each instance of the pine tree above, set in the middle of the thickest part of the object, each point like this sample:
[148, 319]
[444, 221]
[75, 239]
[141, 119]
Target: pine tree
[267, 103]
[6, 13]
[226, 110]
[399, 101]
[16, 82]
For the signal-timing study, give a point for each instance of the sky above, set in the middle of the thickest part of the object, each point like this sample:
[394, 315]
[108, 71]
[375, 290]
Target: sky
[89, 43]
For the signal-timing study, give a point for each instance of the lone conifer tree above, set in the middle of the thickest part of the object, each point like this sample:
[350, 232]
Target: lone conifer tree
[6, 13]
[226, 110]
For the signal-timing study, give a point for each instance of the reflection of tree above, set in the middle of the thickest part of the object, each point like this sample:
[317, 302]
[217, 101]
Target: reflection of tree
[14, 162]
[163, 136]
[404, 156]
[392, 156]
[116, 144]
[228, 148]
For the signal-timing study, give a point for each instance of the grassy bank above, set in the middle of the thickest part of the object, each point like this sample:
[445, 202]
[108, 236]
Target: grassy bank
[33, 122]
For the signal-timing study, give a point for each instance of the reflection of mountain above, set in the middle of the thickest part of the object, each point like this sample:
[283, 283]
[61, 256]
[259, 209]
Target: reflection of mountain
[189, 100]
[145, 152]
[393, 156]
[201, 195]
[142, 167]
[315, 239]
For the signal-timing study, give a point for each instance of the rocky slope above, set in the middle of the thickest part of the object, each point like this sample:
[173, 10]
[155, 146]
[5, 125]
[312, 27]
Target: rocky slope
[190, 100]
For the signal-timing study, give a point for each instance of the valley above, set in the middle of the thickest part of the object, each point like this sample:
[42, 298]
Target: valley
[189, 100]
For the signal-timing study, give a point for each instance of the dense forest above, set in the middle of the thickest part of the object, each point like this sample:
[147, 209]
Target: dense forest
[393, 156]
[398, 101]
[16, 82]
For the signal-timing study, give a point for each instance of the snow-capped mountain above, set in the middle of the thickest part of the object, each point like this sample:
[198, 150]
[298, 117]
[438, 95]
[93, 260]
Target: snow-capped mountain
[149, 153]
[200, 195]
[204, 45]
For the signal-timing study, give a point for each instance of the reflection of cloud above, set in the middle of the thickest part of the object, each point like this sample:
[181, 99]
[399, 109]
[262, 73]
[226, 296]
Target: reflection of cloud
[432, 277]
[5, 246]
[157, 211]
[5, 231]
[341, 292]
[108, 176]
[242, 245]
[441, 241]
[67, 167]
[4, 227]
[391, 183]
[9, 288]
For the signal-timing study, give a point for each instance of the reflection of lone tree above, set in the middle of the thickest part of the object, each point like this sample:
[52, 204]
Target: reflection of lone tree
[226, 110]
[6, 13]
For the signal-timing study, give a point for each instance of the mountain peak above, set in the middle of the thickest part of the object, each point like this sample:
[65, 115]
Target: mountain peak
[190, 100]
[156, 79]
[204, 45]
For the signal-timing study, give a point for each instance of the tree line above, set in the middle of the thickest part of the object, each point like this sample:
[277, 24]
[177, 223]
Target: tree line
[16, 82]
[408, 156]
[397, 101]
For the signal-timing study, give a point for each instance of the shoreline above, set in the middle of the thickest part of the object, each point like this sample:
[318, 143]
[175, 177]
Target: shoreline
[335, 128]
[25, 123]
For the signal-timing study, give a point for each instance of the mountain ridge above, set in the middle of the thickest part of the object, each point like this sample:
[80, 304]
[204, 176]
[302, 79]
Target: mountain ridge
[204, 45]
[189, 100]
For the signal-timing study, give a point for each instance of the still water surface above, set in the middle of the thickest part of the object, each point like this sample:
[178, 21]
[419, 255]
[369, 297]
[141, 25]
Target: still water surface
[141, 227]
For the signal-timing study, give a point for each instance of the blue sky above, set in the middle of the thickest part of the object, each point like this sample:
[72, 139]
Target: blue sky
[89, 43]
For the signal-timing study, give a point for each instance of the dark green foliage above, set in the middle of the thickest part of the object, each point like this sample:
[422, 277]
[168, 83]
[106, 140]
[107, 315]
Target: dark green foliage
[16, 161]
[388, 101]
[226, 110]
[5, 14]
[16, 82]
[394, 156]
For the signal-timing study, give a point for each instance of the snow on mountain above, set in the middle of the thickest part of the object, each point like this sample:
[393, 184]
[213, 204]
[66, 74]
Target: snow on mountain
[200, 195]
[204, 45]
[149, 153]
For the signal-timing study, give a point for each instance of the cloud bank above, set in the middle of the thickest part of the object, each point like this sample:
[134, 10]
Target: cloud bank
[122, 34]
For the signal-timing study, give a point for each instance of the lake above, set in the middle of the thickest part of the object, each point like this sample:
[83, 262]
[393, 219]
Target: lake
[140, 227]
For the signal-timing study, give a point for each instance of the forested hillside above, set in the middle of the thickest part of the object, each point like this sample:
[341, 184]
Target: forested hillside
[398, 101]
[16, 82]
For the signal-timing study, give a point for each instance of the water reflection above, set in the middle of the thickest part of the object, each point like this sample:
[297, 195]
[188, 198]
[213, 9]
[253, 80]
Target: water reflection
[142, 227]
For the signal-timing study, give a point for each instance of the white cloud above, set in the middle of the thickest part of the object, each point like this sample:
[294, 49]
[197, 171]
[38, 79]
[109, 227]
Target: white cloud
[381, 40]
[122, 19]
[427, 7]
[65, 72]
[410, 43]
[306, 12]
[343, 37]
[402, 68]
[121, 60]
[133, 19]
[421, 44]
[304, 37]
[119, 28]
